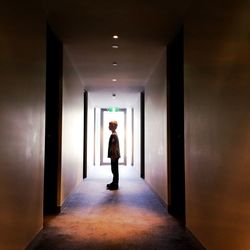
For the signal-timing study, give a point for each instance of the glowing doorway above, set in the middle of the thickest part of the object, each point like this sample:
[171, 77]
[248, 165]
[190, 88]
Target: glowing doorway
[107, 116]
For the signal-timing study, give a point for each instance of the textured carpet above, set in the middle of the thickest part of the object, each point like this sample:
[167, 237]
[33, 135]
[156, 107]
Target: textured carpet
[130, 218]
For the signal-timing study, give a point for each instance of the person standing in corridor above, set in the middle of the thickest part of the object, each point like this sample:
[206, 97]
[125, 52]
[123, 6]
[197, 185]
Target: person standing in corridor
[114, 155]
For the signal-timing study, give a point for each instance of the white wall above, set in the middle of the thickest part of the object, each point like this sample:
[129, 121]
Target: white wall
[22, 129]
[72, 130]
[91, 126]
[156, 129]
[137, 135]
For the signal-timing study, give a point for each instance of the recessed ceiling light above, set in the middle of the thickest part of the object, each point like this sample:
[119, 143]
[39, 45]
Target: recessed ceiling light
[114, 80]
[114, 63]
[115, 36]
[115, 46]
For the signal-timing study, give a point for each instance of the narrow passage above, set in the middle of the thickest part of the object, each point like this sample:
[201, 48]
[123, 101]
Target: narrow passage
[130, 218]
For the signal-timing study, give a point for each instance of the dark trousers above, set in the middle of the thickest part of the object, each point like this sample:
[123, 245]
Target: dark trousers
[115, 171]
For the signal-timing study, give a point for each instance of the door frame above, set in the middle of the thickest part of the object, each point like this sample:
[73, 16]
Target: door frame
[101, 135]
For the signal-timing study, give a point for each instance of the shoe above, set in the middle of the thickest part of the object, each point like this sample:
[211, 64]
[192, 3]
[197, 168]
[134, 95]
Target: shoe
[112, 186]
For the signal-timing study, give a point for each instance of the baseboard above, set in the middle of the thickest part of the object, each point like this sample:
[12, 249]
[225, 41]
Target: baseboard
[34, 242]
[164, 204]
[58, 209]
[36, 239]
[169, 209]
[197, 242]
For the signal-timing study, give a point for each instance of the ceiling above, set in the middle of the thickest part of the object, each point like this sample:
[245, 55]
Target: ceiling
[86, 28]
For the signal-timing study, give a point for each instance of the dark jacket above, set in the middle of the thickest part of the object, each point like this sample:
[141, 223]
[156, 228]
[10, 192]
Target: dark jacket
[113, 149]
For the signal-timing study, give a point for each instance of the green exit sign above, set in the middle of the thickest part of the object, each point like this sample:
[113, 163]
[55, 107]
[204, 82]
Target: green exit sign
[113, 109]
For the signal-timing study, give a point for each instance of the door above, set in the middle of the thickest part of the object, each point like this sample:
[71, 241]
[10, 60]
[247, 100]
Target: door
[175, 90]
[142, 111]
[53, 124]
[85, 132]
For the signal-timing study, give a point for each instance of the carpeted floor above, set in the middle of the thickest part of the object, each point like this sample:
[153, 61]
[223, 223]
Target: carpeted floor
[130, 218]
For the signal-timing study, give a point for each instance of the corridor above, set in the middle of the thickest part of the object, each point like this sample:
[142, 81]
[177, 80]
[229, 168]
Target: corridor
[131, 218]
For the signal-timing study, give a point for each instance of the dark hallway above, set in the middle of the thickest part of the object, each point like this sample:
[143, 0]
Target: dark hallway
[119, 55]
[131, 218]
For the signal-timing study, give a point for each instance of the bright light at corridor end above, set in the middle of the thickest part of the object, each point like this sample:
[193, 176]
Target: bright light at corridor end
[115, 36]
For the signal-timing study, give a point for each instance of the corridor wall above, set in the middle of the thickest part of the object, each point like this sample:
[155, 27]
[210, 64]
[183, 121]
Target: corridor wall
[156, 129]
[22, 129]
[137, 138]
[72, 129]
[217, 123]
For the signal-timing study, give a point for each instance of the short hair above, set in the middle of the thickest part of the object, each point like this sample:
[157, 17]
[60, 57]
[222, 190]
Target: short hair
[114, 123]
